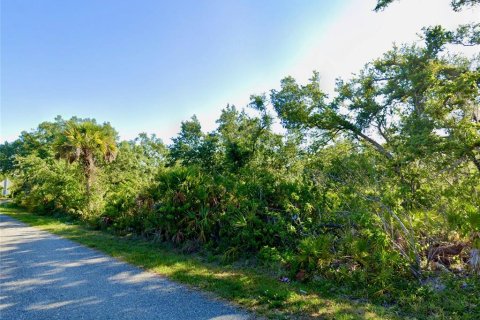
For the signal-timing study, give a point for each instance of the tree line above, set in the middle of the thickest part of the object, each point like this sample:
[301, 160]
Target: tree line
[374, 186]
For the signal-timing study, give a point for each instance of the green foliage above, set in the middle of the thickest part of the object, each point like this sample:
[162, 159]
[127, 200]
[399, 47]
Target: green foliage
[88, 144]
[360, 188]
[48, 185]
[192, 146]
[134, 169]
[8, 151]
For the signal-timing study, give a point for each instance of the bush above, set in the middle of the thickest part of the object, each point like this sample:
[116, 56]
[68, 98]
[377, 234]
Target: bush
[46, 185]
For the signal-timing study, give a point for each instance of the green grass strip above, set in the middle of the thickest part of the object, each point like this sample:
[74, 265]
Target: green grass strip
[245, 287]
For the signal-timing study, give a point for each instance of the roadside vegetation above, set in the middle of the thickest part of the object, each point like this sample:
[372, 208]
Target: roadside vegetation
[254, 288]
[369, 195]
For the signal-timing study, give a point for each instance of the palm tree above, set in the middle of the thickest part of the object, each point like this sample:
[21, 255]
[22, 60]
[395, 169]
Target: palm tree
[88, 143]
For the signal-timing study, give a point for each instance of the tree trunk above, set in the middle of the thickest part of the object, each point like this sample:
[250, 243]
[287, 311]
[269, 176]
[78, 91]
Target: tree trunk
[375, 144]
[346, 125]
[475, 161]
[88, 179]
[89, 176]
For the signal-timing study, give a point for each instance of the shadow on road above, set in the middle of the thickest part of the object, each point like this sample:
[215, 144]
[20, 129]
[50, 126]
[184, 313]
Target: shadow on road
[46, 277]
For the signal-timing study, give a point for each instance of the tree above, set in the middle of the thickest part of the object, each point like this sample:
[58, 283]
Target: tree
[410, 102]
[87, 143]
[192, 146]
[153, 149]
[137, 163]
[416, 107]
[245, 137]
[8, 151]
[39, 141]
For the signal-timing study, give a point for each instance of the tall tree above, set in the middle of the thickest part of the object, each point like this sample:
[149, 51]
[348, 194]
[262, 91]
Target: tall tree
[88, 143]
[192, 146]
[410, 102]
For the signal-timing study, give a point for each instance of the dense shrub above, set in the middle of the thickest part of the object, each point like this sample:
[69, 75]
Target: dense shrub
[48, 185]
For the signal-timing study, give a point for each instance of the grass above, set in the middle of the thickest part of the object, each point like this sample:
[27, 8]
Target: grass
[247, 287]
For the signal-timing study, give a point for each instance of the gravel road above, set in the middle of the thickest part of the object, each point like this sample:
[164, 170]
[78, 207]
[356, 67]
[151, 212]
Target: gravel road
[43, 276]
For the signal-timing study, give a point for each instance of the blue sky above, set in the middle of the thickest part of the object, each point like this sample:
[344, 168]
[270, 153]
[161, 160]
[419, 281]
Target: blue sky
[146, 65]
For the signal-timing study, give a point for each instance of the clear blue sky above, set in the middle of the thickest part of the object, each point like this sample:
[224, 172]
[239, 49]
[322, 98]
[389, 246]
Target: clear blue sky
[144, 65]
